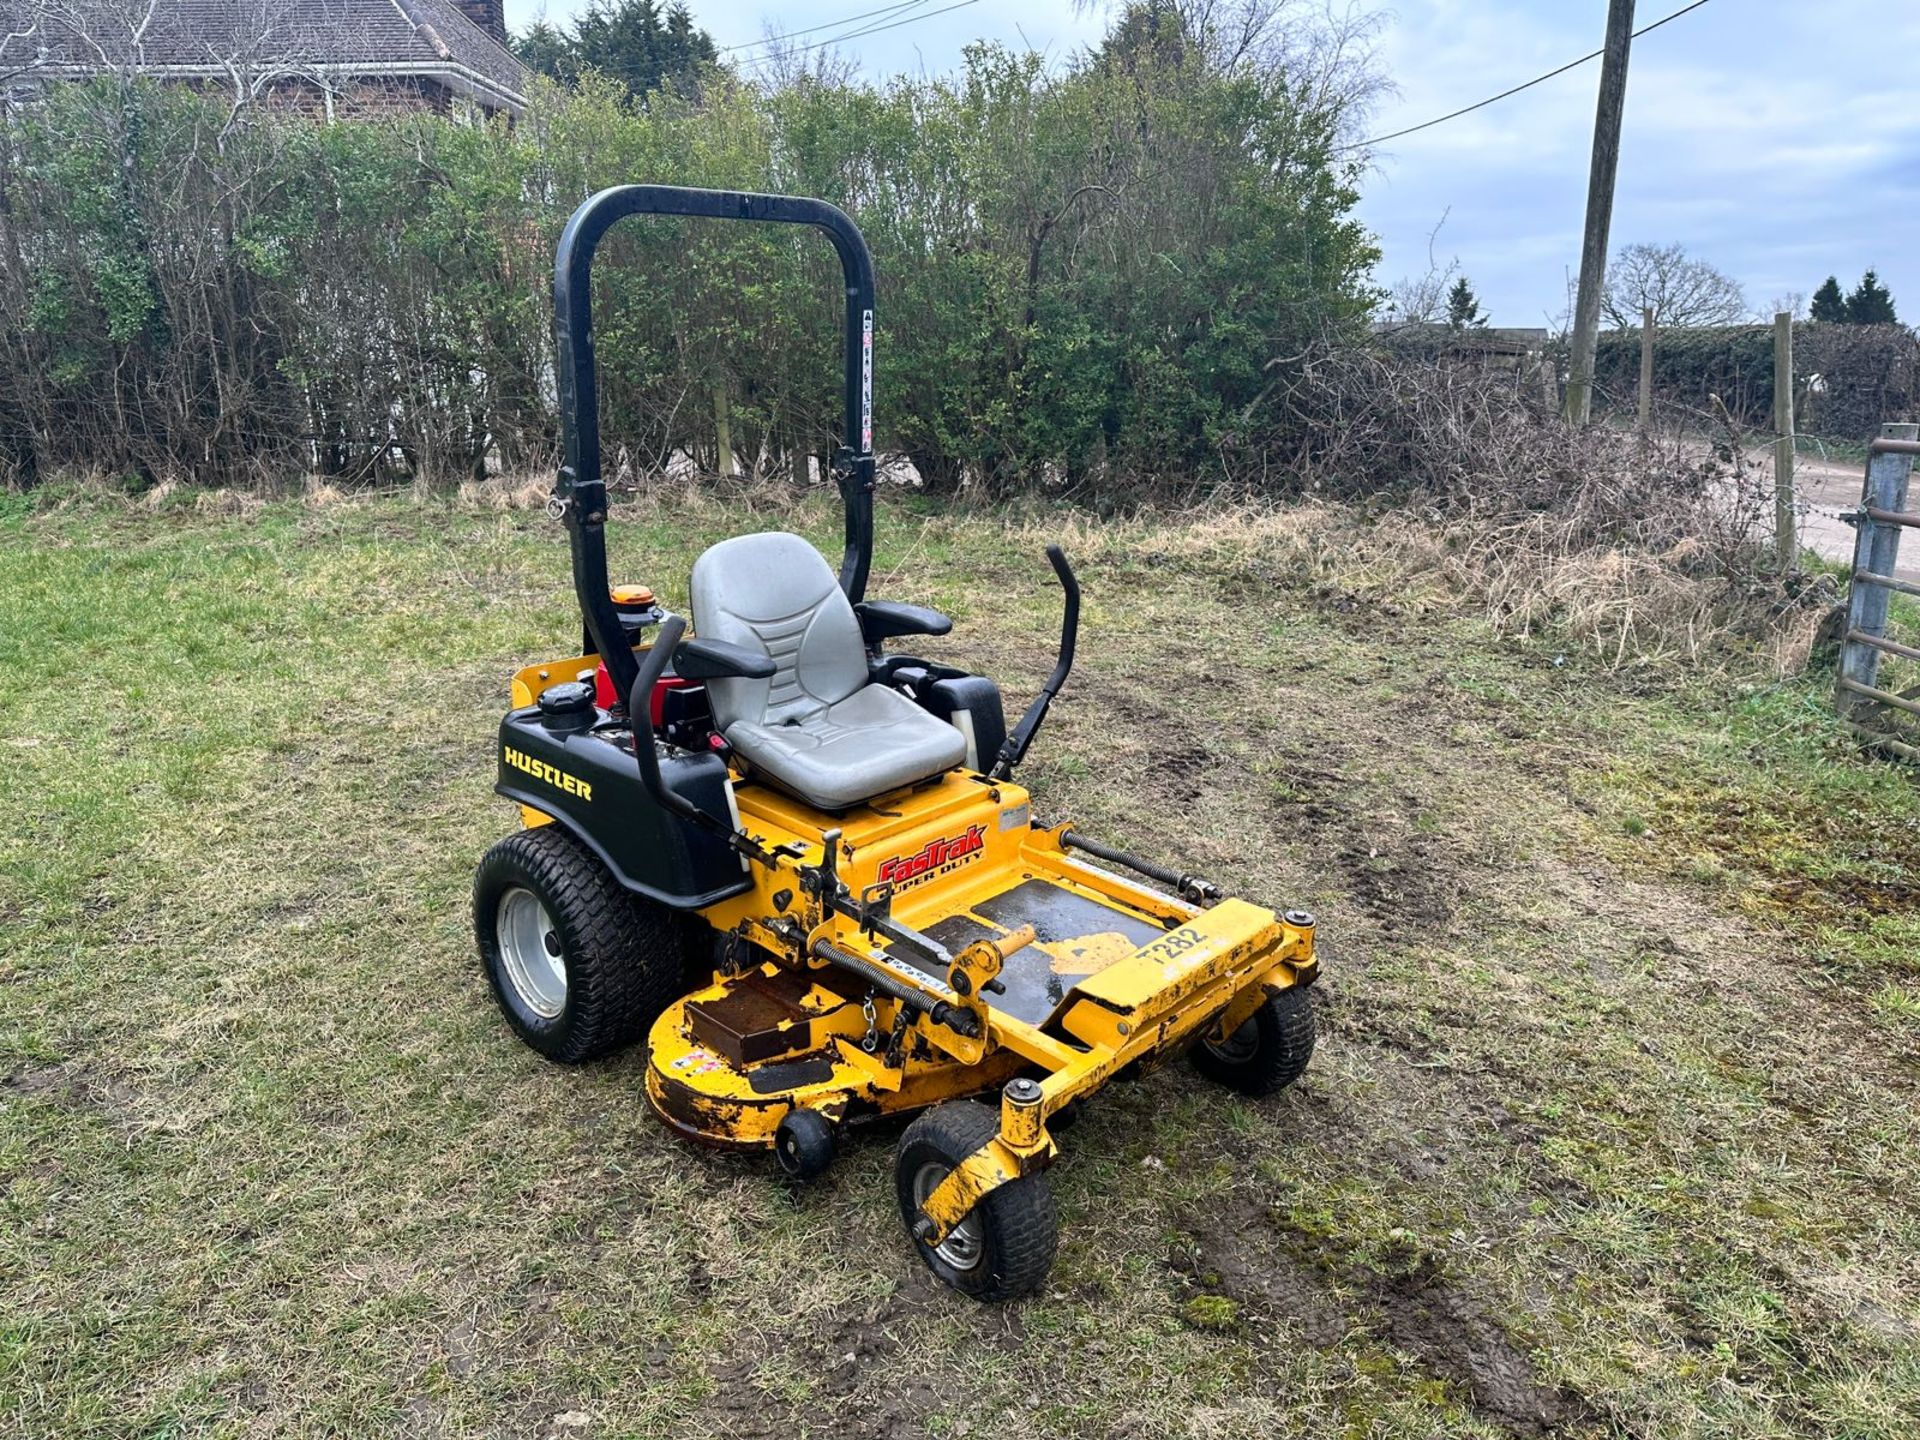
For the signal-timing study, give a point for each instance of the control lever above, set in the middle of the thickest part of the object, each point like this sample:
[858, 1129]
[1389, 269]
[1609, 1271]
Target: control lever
[1015, 749]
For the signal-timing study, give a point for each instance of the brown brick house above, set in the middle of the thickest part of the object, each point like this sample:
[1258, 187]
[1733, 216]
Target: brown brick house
[331, 57]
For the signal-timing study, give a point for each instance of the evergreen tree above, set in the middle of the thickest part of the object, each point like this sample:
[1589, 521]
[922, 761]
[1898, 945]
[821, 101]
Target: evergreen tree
[1463, 307]
[640, 43]
[1829, 303]
[1870, 303]
[548, 50]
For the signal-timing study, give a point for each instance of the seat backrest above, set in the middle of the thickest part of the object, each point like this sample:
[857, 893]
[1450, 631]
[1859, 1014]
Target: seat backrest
[774, 593]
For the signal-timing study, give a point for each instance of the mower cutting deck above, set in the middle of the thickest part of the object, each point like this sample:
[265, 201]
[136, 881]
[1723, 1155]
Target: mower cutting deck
[799, 866]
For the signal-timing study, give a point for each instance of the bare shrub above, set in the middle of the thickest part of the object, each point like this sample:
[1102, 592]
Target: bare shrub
[1635, 548]
[1474, 440]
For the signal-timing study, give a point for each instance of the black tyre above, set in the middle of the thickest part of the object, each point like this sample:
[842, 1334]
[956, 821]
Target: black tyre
[1004, 1248]
[1267, 1053]
[580, 966]
[804, 1144]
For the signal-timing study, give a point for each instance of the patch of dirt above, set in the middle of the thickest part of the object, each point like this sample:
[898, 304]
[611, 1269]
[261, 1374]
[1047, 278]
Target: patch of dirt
[1270, 1287]
[1307, 798]
[548, 1420]
[853, 1359]
[1415, 1309]
[1847, 895]
[1455, 1338]
[82, 1085]
[739, 1408]
[1866, 857]
[1406, 884]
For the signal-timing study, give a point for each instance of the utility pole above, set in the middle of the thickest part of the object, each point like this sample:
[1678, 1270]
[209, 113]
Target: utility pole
[1593, 249]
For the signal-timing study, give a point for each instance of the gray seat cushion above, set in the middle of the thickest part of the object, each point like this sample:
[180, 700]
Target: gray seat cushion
[816, 728]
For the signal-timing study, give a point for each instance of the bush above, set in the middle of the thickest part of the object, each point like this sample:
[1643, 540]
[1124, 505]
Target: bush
[1083, 275]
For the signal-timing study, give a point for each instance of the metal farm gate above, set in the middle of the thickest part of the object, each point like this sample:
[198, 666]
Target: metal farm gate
[1882, 711]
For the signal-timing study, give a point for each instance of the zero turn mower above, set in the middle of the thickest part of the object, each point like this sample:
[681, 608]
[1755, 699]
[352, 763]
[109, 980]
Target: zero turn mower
[799, 865]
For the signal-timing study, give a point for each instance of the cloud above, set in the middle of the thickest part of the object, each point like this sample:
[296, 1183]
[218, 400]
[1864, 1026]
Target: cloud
[1759, 133]
[1753, 135]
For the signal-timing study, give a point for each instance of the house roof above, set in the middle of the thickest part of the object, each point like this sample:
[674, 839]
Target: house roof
[187, 39]
[1493, 339]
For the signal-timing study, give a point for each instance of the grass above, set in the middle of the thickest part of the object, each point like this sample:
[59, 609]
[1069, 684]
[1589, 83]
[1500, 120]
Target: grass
[1611, 1131]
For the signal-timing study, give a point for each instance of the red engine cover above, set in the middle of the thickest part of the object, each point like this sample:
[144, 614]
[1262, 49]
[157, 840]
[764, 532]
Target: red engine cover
[604, 697]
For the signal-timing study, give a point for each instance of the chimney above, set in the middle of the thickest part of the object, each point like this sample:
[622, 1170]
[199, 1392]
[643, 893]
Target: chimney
[487, 15]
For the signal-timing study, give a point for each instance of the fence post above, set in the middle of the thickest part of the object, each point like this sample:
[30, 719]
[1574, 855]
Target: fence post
[1646, 369]
[1785, 540]
[1876, 554]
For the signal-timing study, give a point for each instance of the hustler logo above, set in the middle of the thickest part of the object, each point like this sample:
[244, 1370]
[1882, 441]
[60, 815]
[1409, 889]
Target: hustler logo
[553, 775]
[939, 857]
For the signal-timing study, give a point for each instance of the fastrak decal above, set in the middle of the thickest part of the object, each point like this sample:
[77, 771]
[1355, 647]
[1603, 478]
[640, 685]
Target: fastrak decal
[937, 858]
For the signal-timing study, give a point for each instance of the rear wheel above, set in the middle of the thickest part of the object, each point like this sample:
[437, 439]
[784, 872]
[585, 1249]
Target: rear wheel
[1004, 1248]
[1268, 1052]
[579, 966]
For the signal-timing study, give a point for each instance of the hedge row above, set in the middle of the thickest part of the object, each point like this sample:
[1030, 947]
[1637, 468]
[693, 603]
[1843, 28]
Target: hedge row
[1848, 379]
[1083, 273]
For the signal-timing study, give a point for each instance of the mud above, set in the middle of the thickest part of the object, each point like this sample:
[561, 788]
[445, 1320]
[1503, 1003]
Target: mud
[1457, 1340]
[859, 1365]
[1184, 772]
[1284, 1279]
[1270, 1287]
[82, 1085]
[1308, 799]
[1406, 883]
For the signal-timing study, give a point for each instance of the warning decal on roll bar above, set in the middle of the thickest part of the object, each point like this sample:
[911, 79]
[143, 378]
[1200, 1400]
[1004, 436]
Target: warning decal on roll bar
[866, 381]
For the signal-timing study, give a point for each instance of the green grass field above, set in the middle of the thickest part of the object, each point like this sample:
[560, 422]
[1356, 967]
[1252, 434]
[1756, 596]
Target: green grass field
[1613, 1129]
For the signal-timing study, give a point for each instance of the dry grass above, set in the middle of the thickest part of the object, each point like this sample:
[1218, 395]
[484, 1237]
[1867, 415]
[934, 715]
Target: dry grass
[1618, 605]
[1611, 1131]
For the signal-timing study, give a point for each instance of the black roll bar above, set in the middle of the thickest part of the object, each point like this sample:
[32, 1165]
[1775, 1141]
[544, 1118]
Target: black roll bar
[579, 490]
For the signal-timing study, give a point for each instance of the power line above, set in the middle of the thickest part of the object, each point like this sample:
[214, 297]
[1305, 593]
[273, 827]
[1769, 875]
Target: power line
[824, 25]
[1537, 80]
[876, 29]
[870, 30]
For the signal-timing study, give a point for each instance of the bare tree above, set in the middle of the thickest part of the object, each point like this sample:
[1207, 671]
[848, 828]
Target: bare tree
[1422, 299]
[1681, 289]
[22, 47]
[1326, 52]
[265, 44]
[249, 46]
[781, 64]
[106, 36]
[1794, 302]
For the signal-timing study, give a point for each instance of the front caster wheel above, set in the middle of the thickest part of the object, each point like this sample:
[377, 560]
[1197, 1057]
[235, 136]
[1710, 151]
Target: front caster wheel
[1004, 1248]
[804, 1145]
[1268, 1052]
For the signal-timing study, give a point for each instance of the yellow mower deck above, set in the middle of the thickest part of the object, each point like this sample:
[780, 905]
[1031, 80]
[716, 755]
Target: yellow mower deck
[1113, 973]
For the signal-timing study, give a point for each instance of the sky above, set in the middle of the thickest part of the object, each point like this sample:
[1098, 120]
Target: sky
[1763, 135]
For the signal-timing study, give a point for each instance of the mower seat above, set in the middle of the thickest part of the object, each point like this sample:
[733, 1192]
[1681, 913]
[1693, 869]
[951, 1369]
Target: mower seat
[817, 728]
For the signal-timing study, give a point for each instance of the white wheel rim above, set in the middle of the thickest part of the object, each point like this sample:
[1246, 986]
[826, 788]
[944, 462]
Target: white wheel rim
[964, 1245]
[530, 953]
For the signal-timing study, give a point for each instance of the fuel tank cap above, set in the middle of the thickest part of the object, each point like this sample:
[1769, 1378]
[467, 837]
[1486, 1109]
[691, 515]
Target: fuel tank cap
[568, 705]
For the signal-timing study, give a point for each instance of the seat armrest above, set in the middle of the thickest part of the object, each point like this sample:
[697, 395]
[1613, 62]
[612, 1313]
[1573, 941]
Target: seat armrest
[720, 660]
[886, 619]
